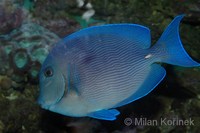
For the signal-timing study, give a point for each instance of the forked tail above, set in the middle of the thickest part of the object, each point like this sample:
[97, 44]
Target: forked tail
[169, 47]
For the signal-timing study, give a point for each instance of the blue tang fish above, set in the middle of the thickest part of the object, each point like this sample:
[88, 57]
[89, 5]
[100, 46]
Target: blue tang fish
[97, 69]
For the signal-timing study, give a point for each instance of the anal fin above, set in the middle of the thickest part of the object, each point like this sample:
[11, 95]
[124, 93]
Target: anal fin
[155, 76]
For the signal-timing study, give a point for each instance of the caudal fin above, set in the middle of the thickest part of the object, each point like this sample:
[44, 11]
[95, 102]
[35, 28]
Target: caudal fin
[170, 48]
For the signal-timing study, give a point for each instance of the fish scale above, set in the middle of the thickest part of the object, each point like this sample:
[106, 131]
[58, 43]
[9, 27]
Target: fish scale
[111, 71]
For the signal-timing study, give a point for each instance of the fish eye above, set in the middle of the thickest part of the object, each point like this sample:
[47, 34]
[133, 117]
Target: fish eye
[48, 72]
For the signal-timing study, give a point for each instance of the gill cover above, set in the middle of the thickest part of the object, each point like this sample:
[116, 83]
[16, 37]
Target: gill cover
[52, 87]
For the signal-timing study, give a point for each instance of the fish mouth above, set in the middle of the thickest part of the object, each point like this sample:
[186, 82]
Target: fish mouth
[46, 107]
[42, 104]
[45, 104]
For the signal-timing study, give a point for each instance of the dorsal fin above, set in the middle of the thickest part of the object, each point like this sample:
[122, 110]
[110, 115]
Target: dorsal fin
[136, 33]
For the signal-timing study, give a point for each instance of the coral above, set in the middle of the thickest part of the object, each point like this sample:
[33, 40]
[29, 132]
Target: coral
[62, 26]
[28, 4]
[26, 48]
[75, 15]
[11, 16]
[19, 60]
[33, 72]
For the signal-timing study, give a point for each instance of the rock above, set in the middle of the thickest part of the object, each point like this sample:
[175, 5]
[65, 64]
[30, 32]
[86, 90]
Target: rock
[5, 82]
[1, 127]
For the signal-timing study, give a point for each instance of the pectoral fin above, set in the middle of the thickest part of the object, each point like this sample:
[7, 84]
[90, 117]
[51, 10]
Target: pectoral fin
[73, 79]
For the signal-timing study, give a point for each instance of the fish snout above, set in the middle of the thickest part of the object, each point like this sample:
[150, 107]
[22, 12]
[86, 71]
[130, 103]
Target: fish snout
[44, 104]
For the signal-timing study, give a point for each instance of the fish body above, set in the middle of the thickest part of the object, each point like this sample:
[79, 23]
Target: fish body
[97, 69]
